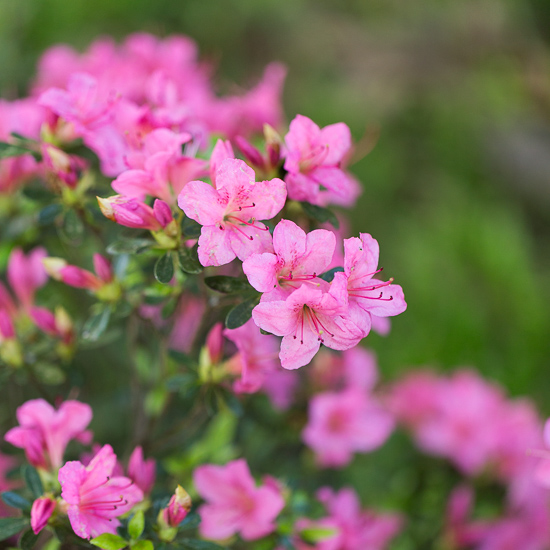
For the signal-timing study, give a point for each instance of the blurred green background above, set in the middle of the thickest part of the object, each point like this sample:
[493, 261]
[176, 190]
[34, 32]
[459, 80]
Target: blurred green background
[457, 186]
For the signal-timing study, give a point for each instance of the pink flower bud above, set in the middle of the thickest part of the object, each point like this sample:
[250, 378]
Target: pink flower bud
[66, 167]
[214, 342]
[80, 278]
[44, 319]
[163, 213]
[103, 269]
[42, 509]
[129, 212]
[273, 145]
[177, 508]
[250, 152]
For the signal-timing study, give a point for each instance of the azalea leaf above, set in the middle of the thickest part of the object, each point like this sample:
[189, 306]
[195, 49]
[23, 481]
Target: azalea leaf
[8, 150]
[72, 228]
[49, 214]
[197, 544]
[28, 540]
[226, 284]
[12, 526]
[16, 501]
[191, 521]
[96, 325]
[189, 261]
[129, 246]
[329, 275]
[32, 479]
[143, 545]
[107, 541]
[136, 525]
[191, 228]
[322, 215]
[164, 268]
[241, 313]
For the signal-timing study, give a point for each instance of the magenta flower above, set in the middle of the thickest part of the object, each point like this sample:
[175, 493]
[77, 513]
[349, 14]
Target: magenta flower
[45, 432]
[308, 318]
[94, 498]
[142, 472]
[341, 423]
[230, 213]
[233, 502]
[42, 509]
[297, 258]
[314, 161]
[367, 296]
[75, 276]
[177, 509]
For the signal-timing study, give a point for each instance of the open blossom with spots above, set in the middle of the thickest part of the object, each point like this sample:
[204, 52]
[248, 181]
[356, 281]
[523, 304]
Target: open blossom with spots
[342, 423]
[230, 213]
[368, 296]
[297, 258]
[94, 497]
[44, 432]
[309, 317]
[234, 504]
[314, 163]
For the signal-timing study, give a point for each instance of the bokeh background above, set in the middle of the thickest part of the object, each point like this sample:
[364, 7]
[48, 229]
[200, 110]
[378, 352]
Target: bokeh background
[449, 102]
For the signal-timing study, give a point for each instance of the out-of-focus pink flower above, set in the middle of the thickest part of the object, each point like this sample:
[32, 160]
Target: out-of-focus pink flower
[142, 472]
[314, 162]
[230, 213]
[7, 330]
[233, 502]
[94, 498]
[341, 423]
[57, 324]
[358, 529]
[297, 259]
[186, 322]
[42, 509]
[66, 168]
[44, 432]
[26, 274]
[177, 509]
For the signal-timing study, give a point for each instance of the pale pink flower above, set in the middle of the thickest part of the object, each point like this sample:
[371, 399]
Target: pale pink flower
[314, 162]
[342, 423]
[186, 322]
[41, 511]
[234, 504]
[222, 150]
[94, 498]
[308, 318]
[142, 472]
[230, 213]
[297, 258]
[44, 432]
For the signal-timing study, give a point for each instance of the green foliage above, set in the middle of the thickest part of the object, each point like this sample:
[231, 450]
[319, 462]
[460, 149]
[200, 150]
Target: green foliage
[107, 541]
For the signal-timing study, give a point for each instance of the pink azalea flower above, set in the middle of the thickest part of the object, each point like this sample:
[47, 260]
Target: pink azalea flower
[222, 150]
[129, 212]
[341, 423]
[233, 502]
[45, 432]
[142, 472]
[230, 213]
[41, 511]
[26, 274]
[94, 498]
[314, 159]
[297, 258]
[358, 529]
[308, 318]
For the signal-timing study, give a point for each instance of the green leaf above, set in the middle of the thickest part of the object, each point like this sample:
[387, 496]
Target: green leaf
[37, 192]
[169, 308]
[49, 374]
[129, 246]
[107, 541]
[191, 229]
[181, 358]
[164, 268]
[241, 313]
[191, 521]
[9, 150]
[72, 228]
[197, 544]
[96, 325]
[49, 214]
[322, 215]
[329, 275]
[28, 540]
[32, 479]
[143, 545]
[189, 261]
[181, 382]
[12, 526]
[226, 284]
[136, 525]
[313, 535]
[16, 501]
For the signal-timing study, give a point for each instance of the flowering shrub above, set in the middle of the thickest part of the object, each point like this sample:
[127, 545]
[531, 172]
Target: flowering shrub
[221, 263]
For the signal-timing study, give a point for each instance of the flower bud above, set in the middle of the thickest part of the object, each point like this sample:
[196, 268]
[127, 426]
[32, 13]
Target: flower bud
[129, 212]
[103, 269]
[170, 517]
[163, 213]
[41, 511]
[250, 152]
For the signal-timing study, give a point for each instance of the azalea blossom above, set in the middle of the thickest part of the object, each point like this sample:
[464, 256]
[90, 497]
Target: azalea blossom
[142, 472]
[230, 214]
[234, 504]
[94, 497]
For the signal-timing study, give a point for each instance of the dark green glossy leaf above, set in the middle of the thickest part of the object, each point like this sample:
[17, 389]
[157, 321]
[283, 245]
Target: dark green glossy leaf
[226, 284]
[32, 479]
[49, 214]
[129, 246]
[16, 501]
[12, 526]
[96, 325]
[241, 313]
[37, 192]
[28, 540]
[181, 358]
[322, 215]
[164, 268]
[107, 541]
[191, 229]
[189, 261]
[329, 275]
[191, 521]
